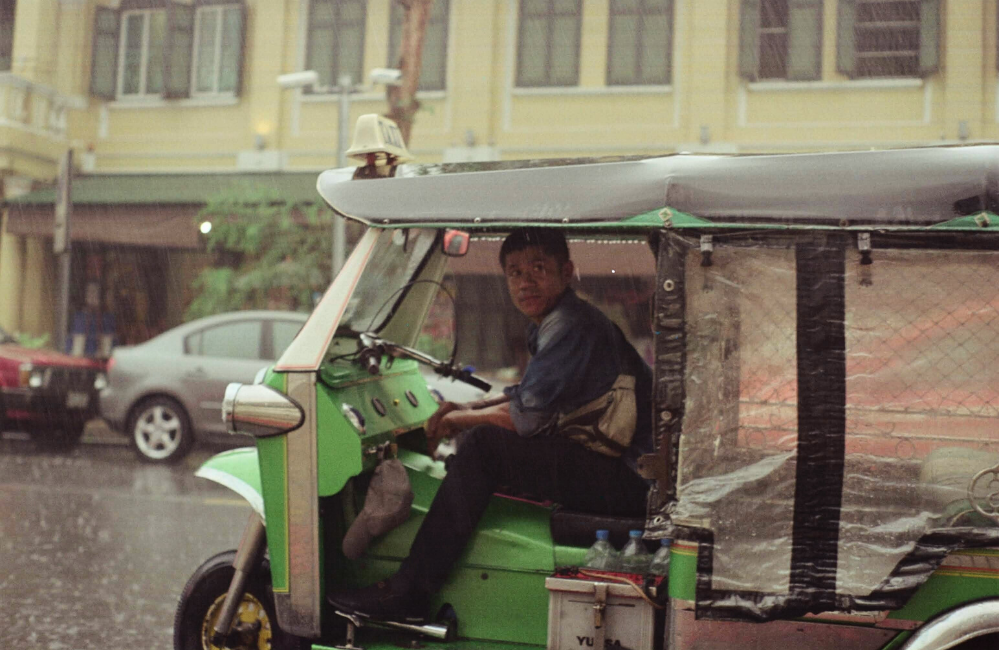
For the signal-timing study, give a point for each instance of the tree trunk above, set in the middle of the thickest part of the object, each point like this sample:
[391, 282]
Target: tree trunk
[402, 99]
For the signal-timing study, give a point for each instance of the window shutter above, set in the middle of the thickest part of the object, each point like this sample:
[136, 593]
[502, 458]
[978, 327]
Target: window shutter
[749, 39]
[805, 39]
[104, 56]
[177, 50]
[846, 60]
[930, 20]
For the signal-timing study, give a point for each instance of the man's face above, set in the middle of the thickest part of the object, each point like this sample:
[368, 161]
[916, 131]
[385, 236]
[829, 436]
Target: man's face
[536, 281]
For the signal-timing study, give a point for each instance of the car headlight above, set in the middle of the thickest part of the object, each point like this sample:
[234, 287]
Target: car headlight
[30, 376]
[100, 381]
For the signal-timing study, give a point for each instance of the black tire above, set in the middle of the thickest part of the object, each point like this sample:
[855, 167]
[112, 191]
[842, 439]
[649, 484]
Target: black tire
[159, 430]
[202, 598]
[64, 438]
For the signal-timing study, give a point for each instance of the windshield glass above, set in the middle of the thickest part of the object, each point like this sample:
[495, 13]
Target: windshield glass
[381, 286]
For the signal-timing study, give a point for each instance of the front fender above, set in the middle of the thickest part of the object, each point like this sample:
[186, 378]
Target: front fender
[958, 625]
[238, 470]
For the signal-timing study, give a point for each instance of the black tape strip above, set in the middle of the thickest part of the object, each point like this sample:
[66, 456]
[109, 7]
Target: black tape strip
[668, 391]
[822, 388]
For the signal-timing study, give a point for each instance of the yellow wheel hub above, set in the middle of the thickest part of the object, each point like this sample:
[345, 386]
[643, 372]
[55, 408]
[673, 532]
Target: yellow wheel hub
[251, 628]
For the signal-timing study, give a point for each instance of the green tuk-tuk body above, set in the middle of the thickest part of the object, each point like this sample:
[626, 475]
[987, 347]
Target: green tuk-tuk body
[825, 332]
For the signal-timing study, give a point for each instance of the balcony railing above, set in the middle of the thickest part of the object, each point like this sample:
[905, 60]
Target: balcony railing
[33, 107]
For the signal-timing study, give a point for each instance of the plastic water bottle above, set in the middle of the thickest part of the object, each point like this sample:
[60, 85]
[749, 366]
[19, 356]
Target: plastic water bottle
[660, 566]
[602, 555]
[635, 557]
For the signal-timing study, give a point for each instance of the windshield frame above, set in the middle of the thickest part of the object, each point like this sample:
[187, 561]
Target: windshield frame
[346, 327]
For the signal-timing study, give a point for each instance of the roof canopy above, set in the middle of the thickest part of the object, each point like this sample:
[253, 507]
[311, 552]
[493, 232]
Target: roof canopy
[896, 187]
[178, 189]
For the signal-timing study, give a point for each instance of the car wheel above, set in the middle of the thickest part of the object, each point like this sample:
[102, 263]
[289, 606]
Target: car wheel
[255, 624]
[160, 430]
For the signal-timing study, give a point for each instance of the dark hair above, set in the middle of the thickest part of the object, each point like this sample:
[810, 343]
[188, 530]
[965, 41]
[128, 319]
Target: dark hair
[552, 242]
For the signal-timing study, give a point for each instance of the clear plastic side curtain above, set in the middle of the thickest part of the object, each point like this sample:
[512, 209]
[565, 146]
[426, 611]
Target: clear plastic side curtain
[831, 418]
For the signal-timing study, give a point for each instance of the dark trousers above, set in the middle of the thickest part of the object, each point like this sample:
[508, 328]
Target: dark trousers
[545, 467]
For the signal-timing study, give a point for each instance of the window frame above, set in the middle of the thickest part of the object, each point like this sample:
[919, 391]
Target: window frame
[219, 8]
[637, 44]
[550, 16]
[445, 18]
[143, 94]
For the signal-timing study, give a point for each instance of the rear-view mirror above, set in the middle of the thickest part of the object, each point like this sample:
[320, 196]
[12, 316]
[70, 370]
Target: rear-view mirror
[455, 243]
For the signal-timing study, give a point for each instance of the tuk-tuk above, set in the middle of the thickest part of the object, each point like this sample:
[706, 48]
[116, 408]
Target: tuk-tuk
[824, 336]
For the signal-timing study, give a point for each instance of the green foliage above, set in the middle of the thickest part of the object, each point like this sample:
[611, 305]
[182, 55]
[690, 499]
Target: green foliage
[269, 253]
[26, 340]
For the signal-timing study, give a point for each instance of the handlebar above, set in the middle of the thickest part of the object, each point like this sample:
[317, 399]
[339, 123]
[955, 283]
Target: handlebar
[373, 348]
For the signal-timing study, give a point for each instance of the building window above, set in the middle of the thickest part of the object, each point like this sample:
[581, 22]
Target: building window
[887, 39]
[152, 48]
[639, 42]
[433, 64]
[773, 39]
[217, 36]
[141, 53]
[336, 41]
[781, 39]
[7, 8]
[549, 43]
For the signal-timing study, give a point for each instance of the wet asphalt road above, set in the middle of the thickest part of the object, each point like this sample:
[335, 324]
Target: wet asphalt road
[95, 547]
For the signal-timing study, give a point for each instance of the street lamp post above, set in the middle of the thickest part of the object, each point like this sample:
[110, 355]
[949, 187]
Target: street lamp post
[344, 86]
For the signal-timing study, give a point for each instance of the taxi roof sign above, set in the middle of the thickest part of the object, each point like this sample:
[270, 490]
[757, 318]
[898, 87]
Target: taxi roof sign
[374, 134]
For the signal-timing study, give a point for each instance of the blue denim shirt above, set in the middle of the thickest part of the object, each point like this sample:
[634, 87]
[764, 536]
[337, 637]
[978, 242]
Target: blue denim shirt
[577, 353]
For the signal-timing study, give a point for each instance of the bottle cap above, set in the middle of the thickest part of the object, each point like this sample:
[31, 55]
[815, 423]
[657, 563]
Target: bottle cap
[635, 533]
[602, 535]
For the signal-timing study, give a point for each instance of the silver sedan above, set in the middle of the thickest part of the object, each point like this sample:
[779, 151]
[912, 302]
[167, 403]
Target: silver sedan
[166, 391]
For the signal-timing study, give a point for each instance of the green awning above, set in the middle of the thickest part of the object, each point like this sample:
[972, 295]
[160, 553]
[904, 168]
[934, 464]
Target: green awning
[177, 189]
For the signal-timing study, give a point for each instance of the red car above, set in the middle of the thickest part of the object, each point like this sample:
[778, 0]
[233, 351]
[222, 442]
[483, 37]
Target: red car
[48, 394]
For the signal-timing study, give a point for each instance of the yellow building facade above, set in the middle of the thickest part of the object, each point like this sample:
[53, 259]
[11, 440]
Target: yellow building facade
[147, 89]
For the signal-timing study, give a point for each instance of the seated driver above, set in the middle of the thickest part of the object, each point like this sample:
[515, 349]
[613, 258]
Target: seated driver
[513, 441]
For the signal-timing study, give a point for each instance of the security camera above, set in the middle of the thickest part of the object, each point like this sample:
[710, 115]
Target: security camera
[302, 79]
[386, 76]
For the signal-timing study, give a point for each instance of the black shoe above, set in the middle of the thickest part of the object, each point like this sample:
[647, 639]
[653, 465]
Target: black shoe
[382, 601]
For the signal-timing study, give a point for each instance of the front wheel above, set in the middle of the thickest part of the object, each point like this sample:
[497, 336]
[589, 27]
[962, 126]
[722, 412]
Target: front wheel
[61, 437]
[160, 430]
[255, 626]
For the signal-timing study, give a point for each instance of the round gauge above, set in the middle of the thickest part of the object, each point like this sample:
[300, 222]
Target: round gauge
[379, 406]
[411, 398]
[354, 416]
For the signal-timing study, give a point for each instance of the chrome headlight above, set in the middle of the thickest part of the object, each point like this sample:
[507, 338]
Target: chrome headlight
[260, 411]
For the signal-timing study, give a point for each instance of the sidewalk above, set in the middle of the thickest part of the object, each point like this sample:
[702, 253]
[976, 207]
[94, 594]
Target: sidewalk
[97, 431]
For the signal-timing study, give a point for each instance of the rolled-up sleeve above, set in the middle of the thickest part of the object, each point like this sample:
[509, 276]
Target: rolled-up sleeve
[552, 377]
